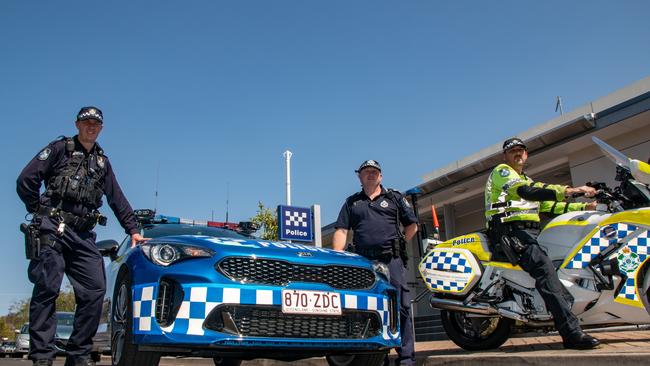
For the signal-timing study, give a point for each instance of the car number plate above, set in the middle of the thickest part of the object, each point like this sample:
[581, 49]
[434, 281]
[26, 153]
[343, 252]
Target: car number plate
[311, 302]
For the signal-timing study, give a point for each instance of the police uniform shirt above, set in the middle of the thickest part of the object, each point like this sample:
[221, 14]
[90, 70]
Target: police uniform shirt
[50, 161]
[374, 221]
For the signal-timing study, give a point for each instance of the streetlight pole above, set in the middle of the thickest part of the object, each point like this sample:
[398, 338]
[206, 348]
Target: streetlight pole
[287, 158]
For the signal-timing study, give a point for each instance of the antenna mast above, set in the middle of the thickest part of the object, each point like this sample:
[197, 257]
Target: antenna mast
[155, 205]
[227, 199]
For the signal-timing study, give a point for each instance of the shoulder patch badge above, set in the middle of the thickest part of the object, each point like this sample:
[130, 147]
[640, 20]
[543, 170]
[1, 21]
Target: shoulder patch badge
[383, 204]
[406, 202]
[504, 172]
[44, 154]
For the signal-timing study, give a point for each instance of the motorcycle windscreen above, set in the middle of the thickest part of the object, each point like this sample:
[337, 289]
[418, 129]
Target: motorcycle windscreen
[450, 270]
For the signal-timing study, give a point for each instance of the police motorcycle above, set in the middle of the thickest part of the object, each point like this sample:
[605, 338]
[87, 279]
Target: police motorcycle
[602, 258]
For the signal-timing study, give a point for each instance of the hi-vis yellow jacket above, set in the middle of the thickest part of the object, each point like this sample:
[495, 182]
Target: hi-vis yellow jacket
[501, 197]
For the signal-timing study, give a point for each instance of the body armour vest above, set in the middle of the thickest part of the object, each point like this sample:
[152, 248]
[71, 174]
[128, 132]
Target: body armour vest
[82, 178]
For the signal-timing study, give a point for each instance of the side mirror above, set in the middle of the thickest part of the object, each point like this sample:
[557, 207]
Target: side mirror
[17, 331]
[108, 248]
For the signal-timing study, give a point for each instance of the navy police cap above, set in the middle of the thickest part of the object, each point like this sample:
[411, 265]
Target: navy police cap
[513, 142]
[90, 113]
[369, 164]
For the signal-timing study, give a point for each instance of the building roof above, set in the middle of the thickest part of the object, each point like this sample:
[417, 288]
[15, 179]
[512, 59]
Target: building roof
[598, 114]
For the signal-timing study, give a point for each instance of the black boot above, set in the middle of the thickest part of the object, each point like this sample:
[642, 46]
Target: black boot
[42, 363]
[80, 362]
[580, 340]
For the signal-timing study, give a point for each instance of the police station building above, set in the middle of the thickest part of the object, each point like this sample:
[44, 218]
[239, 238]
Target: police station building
[560, 151]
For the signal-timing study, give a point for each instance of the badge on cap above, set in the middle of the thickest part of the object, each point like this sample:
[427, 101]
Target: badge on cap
[504, 172]
[44, 154]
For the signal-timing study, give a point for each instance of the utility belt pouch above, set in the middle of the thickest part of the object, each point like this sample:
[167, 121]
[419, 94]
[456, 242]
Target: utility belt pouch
[401, 245]
[32, 240]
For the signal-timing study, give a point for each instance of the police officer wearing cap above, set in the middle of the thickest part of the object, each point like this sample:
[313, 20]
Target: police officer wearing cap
[76, 173]
[513, 203]
[374, 214]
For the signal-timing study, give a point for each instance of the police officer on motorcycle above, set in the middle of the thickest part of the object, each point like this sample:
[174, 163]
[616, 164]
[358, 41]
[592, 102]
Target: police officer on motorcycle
[513, 203]
[77, 174]
[374, 214]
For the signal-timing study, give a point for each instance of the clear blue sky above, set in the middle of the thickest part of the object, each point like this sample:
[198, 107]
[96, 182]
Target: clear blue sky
[213, 92]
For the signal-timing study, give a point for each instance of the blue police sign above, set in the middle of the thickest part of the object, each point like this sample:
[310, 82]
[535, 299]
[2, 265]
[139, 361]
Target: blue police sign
[295, 223]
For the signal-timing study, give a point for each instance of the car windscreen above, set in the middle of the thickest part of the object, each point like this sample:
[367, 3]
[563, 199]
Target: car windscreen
[157, 231]
[65, 319]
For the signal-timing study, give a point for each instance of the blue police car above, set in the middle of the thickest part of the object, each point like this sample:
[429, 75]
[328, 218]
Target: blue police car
[199, 290]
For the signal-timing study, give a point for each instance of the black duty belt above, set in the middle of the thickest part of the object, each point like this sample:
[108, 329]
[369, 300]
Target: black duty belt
[375, 253]
[79, 223]
[523, 225]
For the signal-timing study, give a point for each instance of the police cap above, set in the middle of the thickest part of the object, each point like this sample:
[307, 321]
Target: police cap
[369, 164]
[90, 113]
[513, 142]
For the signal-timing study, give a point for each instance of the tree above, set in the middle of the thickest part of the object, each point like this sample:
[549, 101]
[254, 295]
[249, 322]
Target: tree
[19, 311]
[6, 331]
[267, 220]
[66, 301]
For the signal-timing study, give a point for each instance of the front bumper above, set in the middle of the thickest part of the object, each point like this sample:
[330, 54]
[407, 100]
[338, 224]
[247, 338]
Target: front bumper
[191, 331]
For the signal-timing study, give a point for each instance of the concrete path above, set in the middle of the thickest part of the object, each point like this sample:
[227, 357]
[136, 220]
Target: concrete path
[623, 347]
[619, 348]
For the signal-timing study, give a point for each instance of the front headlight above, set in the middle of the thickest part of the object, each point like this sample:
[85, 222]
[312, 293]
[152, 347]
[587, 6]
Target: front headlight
[165, 254]
[382, 269]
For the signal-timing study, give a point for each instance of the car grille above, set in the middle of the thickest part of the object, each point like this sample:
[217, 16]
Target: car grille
[270, 321]
[281, 273]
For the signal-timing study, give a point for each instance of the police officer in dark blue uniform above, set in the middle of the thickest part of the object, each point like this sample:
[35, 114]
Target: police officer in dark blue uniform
[374, 214]
[76, 173]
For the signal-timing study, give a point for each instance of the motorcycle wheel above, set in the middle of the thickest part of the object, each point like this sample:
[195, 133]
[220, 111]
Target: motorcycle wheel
[369, 359]
[475, 333]
[123, 351]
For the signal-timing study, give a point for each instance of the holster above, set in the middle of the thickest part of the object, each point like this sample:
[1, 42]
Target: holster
[512, 248]
[32, 240]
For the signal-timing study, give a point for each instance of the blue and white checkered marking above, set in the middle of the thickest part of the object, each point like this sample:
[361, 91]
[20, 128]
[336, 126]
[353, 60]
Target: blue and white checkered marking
[597, 244]
[449, 270]
[450, 261]
[295, 219]
[199, 301]
[637, 242]
[144, 305]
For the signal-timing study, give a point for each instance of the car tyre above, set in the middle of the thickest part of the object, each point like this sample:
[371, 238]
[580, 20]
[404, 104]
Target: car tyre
[123, 351]
[226, 361]
[366, 359]
[476, 333]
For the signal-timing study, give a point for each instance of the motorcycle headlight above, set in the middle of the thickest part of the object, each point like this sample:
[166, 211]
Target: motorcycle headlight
[382, 269]
[165, 254]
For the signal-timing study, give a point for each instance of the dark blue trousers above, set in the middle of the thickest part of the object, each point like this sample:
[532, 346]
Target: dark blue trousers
[558, 300]
[405, 353]
[76, 255]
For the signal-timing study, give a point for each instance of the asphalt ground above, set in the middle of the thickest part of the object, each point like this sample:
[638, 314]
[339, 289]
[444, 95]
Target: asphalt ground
[619, 347]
